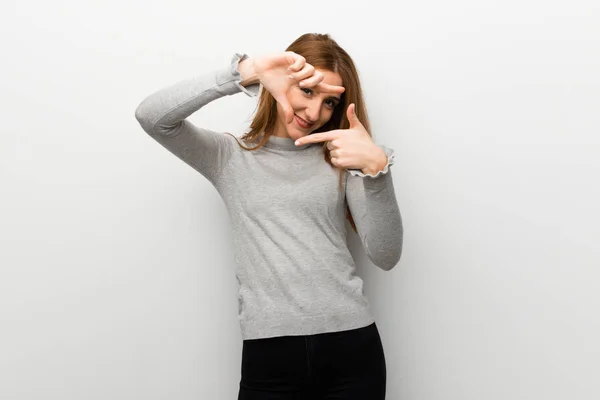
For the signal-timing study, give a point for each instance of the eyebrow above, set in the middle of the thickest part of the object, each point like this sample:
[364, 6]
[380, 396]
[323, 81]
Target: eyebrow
[338, 99]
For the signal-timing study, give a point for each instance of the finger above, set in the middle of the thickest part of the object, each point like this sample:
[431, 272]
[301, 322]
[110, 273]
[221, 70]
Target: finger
[297, 62]
[313, 80]
[318, 137]
[307, 71]
[327, 88]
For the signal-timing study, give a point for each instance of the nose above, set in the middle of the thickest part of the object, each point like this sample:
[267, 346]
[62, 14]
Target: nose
[313, 111]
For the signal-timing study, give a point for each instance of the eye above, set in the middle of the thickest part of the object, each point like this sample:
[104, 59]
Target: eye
[330, 102]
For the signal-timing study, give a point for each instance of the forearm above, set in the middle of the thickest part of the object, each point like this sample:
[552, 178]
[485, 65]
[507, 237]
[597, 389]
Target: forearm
[160, 112]
[383, 227]
[374, 206]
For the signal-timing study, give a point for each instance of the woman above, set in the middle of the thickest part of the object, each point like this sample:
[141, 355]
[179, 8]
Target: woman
[307, 163]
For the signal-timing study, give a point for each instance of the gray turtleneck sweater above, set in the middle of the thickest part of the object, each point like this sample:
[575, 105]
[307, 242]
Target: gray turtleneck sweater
[295, 273]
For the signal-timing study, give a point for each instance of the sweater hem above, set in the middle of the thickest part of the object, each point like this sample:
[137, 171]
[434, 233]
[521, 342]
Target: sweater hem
[310, 325]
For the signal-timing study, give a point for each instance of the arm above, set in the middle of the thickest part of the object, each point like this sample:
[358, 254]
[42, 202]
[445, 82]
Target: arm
[163, 116]
[375, 211]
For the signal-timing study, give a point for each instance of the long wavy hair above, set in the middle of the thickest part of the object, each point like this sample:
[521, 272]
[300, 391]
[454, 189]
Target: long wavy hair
[322, 52]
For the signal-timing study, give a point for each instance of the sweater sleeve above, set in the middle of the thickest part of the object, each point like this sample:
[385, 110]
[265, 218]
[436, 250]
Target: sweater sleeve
[372, 202]
[163, 116]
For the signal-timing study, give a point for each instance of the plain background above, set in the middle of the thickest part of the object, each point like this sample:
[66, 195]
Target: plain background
[116, 266]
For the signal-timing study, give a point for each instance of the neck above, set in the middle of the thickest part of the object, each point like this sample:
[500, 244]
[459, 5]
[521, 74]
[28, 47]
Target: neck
[280, 130]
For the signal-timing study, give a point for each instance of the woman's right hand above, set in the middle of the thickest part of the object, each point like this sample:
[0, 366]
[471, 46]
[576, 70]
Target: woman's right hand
[279, 72]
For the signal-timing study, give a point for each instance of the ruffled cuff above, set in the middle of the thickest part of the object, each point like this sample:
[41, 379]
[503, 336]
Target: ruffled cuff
[390, 156]
[251, 90]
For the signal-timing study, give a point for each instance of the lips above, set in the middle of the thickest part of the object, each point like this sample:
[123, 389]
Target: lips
[302, 123]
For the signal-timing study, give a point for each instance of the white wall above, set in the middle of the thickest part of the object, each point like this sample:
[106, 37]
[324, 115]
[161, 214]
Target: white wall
[116, 267]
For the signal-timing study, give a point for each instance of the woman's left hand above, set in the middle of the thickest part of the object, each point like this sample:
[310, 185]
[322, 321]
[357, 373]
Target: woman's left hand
[350, 148]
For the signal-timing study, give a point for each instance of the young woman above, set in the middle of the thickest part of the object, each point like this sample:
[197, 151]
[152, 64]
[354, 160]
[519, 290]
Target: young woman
[307, 163]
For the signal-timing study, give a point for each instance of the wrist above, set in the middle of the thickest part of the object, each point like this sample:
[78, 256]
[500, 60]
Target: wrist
[247, 72]
[377, 161]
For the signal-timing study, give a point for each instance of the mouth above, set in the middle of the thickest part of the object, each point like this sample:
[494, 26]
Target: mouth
[302, 123]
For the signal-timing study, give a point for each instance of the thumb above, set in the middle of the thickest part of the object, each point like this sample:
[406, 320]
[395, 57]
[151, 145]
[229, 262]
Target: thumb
[286, 107]
[287, 112]
[352, 118]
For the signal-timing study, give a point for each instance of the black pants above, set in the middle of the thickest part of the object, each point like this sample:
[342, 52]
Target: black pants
[347, 365]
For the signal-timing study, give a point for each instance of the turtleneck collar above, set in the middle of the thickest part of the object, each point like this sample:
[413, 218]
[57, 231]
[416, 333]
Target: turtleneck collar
[284, 143]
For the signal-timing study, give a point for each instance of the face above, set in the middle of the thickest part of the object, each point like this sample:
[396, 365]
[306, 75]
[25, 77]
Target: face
[312, 109]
